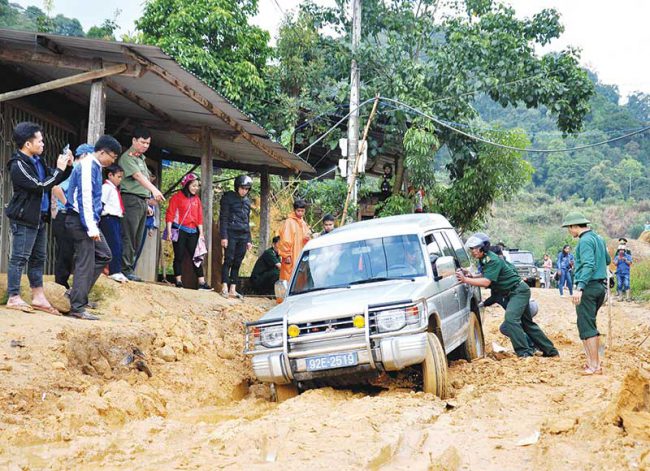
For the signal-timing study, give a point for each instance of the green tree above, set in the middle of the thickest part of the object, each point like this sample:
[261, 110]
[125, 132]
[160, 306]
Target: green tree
[67, 26]
[436, 61]
[212, 39]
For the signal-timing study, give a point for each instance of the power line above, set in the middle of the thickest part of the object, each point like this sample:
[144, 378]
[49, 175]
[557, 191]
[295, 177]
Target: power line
[326, 133]
[503, 146]
[279, 7]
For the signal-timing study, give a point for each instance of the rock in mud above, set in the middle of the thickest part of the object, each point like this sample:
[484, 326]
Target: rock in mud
[55, 294]
[167, 353]
[560, 425]
[630, 409]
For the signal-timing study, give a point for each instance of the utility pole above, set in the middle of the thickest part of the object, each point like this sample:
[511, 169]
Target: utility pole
[353, 120]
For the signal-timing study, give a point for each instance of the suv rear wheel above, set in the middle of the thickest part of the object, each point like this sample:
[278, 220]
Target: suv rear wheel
[434, 368]
[474, 346]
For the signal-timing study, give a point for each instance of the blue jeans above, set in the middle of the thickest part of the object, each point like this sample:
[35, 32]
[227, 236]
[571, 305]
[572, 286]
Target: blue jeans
[28, 247]
[622, 282]
[565, 277]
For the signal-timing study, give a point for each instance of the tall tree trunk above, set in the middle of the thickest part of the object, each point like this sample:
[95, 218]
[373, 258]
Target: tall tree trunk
[399, 176]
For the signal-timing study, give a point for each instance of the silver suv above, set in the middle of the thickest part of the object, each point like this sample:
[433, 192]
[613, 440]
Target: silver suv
[371, 297]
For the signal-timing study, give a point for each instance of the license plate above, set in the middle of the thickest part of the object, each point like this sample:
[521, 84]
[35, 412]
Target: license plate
[326, 362]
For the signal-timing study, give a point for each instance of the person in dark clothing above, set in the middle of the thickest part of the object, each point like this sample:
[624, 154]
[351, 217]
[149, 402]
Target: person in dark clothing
[234, 228]
[267, 269]
[28, 212]
[565, 262]
[64, 261]
[386, 187]
[328, 224]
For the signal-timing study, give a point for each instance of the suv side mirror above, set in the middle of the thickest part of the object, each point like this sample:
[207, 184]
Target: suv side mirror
[280, 288]
[444, 267]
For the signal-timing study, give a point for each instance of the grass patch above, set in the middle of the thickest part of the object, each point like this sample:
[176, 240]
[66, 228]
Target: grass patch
[640, 280]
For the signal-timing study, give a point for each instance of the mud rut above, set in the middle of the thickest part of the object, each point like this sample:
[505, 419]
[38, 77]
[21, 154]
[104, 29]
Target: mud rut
[71, 399]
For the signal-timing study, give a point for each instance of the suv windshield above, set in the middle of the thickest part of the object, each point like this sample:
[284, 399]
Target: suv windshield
[522, 258]
[359, 262]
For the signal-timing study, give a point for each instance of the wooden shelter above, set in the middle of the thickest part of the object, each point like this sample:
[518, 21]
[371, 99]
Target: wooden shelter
[80, 88]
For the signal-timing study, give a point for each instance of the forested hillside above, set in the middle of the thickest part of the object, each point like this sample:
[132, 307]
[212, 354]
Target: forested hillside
[615, 171]
[33, 18]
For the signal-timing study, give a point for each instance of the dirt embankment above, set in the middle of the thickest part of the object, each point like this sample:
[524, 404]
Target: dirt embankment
[78, 395]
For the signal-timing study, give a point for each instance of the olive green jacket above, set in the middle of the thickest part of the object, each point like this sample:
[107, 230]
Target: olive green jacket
[591, 259]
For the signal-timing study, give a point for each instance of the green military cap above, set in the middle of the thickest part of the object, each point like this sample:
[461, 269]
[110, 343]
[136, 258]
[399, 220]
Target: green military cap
[574, 219]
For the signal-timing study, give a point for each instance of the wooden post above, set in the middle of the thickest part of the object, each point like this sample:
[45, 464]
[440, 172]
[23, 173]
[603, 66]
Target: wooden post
[207, 193]
[97, 111]
[265, 211]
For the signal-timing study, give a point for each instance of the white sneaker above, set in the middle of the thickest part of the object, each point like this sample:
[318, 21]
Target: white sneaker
[118, 277]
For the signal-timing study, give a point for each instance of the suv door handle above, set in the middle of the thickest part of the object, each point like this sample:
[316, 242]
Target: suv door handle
[455, 293]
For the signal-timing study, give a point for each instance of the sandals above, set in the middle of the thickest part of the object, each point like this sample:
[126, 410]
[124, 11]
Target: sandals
[225, 293]
[591, 372]
[48, 309]
[236, 295]
[23, 307]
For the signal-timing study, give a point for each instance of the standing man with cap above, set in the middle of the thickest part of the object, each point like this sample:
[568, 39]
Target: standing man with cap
[502, 279]
[235, 230]
[591, 262]
[136, 189]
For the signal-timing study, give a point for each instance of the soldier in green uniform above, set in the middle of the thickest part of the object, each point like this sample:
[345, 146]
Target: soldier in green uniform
[591, 261]
[136, 188]
[502, 279]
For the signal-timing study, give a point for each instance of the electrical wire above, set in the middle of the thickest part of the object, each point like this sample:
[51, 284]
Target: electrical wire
[503, 146]
[326, 133]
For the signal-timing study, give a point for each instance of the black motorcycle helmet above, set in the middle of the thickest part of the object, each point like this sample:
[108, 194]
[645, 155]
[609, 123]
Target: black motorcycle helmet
[243, 181]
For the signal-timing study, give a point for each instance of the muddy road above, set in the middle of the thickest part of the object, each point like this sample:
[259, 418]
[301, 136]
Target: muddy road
[74, 397]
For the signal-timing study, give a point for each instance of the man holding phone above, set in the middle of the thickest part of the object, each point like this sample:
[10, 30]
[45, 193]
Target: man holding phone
[28, 212]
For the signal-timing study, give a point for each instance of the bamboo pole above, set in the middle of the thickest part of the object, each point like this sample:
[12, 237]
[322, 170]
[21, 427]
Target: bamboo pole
[353, 180]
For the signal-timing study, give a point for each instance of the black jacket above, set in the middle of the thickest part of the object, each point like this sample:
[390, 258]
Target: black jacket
[234, 216]
[25, 205]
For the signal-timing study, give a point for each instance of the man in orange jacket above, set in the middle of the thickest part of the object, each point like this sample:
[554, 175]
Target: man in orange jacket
[294, 234]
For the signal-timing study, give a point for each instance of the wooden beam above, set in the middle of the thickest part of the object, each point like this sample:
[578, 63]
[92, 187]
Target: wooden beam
[207, 197]
[48, 44]
[205, 103]
[141, 102]
[63, 82]
[265, 211]
[64, 61]
[125, 122]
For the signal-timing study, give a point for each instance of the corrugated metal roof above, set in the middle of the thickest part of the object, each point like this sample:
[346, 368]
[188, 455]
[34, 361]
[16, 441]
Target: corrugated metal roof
[159, 92]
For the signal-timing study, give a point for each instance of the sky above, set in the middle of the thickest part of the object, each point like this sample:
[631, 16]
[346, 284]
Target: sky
[612, 35]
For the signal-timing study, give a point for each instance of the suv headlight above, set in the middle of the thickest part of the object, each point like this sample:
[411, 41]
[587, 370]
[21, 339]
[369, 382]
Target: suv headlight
[271, 337]
[393, 319]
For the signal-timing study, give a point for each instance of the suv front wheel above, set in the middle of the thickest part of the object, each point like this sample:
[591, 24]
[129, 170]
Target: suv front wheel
[282, 392]
[434, 368]
[474, 346]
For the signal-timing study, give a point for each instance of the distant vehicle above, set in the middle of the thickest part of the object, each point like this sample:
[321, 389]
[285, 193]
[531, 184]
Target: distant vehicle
[371, 297]
[524, 261]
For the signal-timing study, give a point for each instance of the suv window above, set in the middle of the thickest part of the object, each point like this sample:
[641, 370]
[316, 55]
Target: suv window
[357, 262]
[432, 247]
[524, 258]
[459, 250]
[447, 250]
